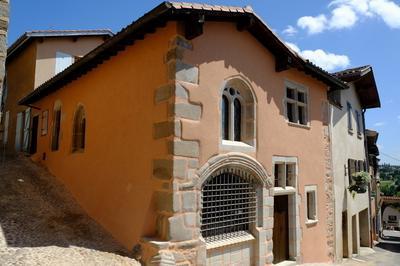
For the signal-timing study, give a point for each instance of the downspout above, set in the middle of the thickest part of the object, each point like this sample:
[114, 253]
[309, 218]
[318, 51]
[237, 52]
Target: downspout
[369, 185]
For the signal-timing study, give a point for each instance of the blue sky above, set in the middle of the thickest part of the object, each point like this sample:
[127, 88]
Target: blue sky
[335, 34]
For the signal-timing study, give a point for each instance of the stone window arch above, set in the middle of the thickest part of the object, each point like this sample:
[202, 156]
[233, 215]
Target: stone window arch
[56, 126]
[238, 112]
[79, 129]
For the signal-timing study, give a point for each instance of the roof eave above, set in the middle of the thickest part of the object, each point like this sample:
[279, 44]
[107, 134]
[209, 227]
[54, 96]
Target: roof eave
[165, 12]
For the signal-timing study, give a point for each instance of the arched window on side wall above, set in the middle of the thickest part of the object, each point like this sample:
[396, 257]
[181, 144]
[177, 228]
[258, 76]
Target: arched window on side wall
[79, 130]
[238, 112]
[55, 137]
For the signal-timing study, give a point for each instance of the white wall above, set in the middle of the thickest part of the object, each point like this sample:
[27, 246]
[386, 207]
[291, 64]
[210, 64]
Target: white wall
[346, 146]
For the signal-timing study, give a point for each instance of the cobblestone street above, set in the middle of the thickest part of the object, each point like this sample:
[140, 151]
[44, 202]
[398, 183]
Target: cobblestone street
[40, 223]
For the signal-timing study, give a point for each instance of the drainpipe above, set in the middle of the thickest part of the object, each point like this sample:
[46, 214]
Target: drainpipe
[369, 185]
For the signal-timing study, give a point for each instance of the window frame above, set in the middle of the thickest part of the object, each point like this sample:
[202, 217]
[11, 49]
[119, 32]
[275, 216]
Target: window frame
[78, 146]
[308, 189]
[297, 88]
[44, 127]
[350, 127]
[232, 114]
[55, 146]
[288, 188]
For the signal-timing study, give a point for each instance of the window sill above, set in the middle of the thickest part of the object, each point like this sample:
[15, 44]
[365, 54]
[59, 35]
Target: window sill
[230, 241]
[284, 191]
[359, 135]
[299, 125]
[350, 131]
[311, 222]
[236, 146]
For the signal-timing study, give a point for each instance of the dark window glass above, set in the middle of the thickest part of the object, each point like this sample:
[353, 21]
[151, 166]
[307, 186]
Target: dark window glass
[225, 118]
[276, 175]
[290, 93]
[56, 131]
[349, 115]
[238, 120]
[290, 112]
[78, 142]
[334, 97]
[301, 97]
[302, 115]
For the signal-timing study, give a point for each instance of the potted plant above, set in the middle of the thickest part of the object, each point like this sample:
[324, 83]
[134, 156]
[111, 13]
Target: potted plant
[360, 182]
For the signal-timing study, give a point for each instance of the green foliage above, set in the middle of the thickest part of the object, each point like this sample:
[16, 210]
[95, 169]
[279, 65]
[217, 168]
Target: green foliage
[390, 179]
[360, 182]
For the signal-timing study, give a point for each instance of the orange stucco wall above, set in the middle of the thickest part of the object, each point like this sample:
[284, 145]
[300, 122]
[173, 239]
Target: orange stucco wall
[222, 52]
[112, 178]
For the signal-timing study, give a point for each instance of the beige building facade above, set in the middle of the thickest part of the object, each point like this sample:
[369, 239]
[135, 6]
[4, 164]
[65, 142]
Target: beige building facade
[349, 155]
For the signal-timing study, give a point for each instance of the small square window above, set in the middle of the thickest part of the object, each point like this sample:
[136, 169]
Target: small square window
[296, 105]
[285, 174]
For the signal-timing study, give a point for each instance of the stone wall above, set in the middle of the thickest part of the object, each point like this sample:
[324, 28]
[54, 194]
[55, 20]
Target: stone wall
[4, 17]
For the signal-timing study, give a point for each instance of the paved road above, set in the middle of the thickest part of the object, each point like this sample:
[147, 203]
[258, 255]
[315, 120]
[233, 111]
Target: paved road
[387, 252]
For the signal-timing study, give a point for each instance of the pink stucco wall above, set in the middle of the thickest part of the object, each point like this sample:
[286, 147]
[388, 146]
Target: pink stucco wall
[222, 52]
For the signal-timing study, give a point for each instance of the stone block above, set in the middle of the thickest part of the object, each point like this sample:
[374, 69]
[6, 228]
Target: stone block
[163, 93]
[269, 223]
[164, 201]
[189, 201]
[163, 129]
[181, 92]
[190, 219]
[182, 42]
[269, 201]
[193, 163]
[186, 148]
[162, 169]
[178, 70]
[177, 229]
[188, 111]
[179, 168]
[269, 259]
[268, 234]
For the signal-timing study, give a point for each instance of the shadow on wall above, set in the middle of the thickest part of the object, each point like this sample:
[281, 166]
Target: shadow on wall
[37, 211]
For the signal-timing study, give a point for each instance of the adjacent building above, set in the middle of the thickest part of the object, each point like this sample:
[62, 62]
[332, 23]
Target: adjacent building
[197, 135]
[373, 153]
[32, 59]
[349, 155]
[4, 17]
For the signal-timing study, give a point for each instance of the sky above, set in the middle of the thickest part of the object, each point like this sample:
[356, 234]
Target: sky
[334, 34]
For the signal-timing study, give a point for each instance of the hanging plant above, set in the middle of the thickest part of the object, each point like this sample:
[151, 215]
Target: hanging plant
[360, 182]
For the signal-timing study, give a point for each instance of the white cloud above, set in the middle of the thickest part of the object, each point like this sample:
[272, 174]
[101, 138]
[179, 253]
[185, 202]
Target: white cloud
[388, 11]
[313, 24]
[290, 31]
[346, 13]
[379, 124]
[343, 17]
[325, 60]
